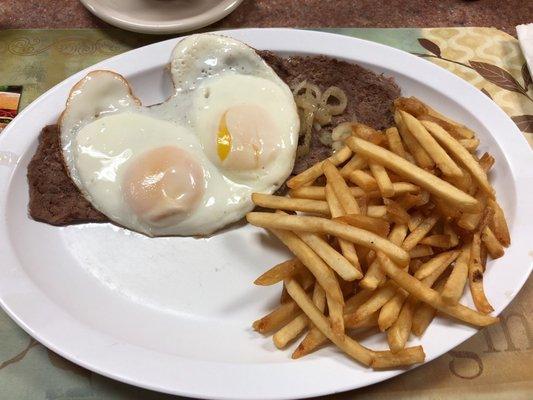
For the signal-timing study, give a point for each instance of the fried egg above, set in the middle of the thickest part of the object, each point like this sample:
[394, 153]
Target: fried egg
[186, 166]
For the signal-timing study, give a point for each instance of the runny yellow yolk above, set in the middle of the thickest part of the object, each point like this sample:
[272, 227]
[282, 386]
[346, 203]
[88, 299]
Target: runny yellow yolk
[223, 139]
[246, 138]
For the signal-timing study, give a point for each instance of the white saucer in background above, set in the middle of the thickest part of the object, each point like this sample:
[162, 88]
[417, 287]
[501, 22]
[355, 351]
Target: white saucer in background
[161, 16]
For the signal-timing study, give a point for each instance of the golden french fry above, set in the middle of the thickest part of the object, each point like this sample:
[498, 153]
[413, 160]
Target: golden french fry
[420, 232]
[372, 224]
[374, 276]
[354, 163]
[319, 192]
[398, 234]
[498, 225]
[314, 338]
[442, 241]
[319, 297]
[409, 200]
[390, 311]
[486, 162]
[420, 155]
[336, 209]
[376, 211]
[304, 277]
[417, 175]
[287, 203]
[277, 318]
[430, 296]
[294, 328]
[339, 186]
[459, 152]
[284, 298]
[435, 151]
[396, 213]
[336, 316]
[475, 277]
[447, 211]
[458, 130]
[414, 106]
[310, 174]
[456, 282]
[346, 343]
[421, 250]
[369, 322]
[448, 230]
[404, 357]
[415, 265]
[364, 180]
[424, 314]
[415, 219]
[332, 257]
[470, 144]
[323, 225]
[311, 342]
[398, 333]
[312, 261]
[486, 217]
[490, 241]
[395, 142]
[366, 132]
[290, 331]
[470, 221]
[379, 298]
[279, 272]
[436, 263]
[382, 179]
[465, 182]
[411, 105]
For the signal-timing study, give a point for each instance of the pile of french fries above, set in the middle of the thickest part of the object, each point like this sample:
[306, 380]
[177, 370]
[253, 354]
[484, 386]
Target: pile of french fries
[386, 233]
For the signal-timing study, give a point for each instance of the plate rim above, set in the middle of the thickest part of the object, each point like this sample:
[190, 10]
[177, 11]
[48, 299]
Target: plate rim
[122, 20]
[517, 141]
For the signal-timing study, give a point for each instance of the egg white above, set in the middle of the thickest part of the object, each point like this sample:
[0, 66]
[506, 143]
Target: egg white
[104, 127]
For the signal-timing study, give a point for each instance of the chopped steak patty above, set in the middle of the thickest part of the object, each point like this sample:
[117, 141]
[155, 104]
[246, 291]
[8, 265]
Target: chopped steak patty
[53, 196]
[370, 95]
[56, 200]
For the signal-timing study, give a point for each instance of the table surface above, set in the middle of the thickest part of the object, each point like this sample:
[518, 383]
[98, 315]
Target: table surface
[483, 362]
[502, 14]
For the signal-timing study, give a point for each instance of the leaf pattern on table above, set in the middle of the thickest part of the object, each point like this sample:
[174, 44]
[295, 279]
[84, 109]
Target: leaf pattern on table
[430, 46]
[20, 355]
[484, 91]
[526, 76]
[62, 363]
[524, 122]
[497, 76]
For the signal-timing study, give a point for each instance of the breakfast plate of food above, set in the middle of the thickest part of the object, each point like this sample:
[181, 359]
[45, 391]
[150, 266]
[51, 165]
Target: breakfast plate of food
[261, 214]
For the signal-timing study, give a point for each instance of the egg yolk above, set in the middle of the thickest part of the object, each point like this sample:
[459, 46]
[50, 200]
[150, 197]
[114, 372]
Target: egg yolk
[246, 138]
[163, 185]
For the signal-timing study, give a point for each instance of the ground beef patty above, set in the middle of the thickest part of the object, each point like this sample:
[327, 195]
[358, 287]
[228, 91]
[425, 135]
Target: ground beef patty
[53, 196]
[370, 95]
[56, 200]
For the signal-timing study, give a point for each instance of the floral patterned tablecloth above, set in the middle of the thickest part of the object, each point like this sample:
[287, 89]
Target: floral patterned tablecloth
[496, 363]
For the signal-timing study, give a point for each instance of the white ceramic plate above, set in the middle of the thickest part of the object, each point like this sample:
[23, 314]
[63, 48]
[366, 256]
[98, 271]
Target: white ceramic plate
[174, 314]
[161, 16]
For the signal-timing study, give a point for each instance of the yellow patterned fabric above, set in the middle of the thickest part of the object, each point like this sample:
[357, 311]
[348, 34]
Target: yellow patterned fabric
[492, 61]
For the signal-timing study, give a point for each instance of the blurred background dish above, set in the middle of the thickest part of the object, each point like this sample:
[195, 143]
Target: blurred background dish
[160, 16]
